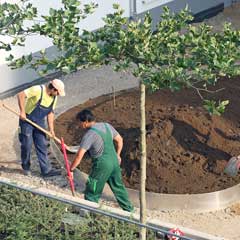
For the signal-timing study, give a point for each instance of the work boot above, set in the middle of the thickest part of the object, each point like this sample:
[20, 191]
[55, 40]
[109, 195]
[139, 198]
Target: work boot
[52, 173]
[27, 173]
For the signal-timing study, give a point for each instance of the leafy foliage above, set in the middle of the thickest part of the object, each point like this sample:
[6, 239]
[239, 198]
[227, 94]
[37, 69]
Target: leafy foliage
[61, 26]
[27, 216]
[173, 55]
[12, 17]
[212, 108]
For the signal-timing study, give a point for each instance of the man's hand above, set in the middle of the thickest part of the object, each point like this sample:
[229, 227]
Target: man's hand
[70, 176]
[119, 159]
[22, 115]
[119, 145]
[52, 133]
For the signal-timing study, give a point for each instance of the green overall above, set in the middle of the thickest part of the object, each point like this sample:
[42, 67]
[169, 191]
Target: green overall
[106, 169]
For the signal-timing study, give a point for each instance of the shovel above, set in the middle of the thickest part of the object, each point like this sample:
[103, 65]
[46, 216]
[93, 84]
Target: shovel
[71, 149]
[232, 166]
[70, 178]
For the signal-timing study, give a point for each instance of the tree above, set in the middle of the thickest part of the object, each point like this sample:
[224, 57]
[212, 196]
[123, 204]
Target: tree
[174, 55]
[12, 17]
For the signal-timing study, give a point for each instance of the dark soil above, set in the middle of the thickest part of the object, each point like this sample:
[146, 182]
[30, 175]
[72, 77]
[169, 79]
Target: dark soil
[187, 149]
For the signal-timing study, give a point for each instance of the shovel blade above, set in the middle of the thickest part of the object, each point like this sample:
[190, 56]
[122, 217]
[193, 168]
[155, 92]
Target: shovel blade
[72, 149]
[232, 167]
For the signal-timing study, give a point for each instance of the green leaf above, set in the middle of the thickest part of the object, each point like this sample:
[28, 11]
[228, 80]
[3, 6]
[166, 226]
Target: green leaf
[14, 41]
[116, 6]
[43, 51]
[214, 109]
[9, 58]
[66, 69]
[29, 58]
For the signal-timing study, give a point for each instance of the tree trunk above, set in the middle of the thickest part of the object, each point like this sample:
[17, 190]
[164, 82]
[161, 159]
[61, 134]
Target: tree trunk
[143, 162]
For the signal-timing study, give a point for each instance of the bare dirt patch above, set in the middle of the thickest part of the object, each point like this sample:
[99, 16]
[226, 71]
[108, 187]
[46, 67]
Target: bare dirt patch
[187, 149]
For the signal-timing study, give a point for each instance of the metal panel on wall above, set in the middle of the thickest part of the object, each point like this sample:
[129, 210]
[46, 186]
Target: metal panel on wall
[175, 5]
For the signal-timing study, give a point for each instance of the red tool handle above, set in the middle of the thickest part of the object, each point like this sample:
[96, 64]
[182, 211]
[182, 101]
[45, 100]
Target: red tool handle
[67, 166]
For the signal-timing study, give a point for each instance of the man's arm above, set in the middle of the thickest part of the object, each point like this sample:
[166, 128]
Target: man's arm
[21, 103]
[50, 119]
[78, 158]
[119, 145]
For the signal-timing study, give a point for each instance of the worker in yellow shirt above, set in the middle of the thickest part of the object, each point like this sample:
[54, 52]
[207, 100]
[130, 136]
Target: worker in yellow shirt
[37, 103]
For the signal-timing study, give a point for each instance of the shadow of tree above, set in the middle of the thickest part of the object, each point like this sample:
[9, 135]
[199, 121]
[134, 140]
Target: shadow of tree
[130, 159]
[222, 134]
[193, 140]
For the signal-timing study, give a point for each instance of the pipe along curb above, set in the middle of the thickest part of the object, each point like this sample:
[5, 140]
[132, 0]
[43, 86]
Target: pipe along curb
[202, 202]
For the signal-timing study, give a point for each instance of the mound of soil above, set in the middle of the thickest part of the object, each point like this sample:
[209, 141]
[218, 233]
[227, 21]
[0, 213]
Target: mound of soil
[187, 149]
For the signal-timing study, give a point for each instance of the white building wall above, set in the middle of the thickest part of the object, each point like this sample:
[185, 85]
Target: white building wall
[13, 78]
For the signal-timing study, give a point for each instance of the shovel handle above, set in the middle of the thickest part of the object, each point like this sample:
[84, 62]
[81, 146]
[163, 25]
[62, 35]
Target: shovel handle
[34, 124]
[70, 178]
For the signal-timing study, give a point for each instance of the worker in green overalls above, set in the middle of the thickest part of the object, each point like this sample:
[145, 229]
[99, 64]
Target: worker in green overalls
[98, 141]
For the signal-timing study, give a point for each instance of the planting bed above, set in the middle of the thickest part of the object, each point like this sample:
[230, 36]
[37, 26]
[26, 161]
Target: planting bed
[187, 149]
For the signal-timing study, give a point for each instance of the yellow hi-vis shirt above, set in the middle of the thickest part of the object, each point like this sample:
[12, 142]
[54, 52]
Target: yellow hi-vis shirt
[33, 96]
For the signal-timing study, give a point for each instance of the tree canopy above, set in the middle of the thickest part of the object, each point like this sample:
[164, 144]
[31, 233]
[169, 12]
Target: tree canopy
[175, 54]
